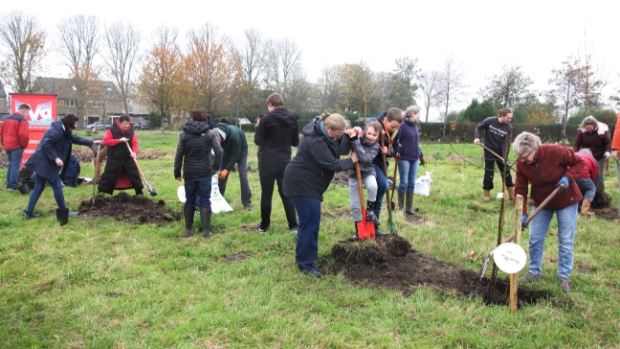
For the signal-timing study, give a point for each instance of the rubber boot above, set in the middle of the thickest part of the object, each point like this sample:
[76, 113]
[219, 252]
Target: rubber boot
[401, 201]
[409, 209]
[585, 208]
[189, 220]
[487, 195]
[205, 219]
[356, 236]
[379, 232]
[370, 210]
[511, 193]
[62, 214]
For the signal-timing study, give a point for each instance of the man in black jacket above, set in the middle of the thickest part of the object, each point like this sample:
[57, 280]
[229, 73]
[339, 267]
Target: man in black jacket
[276, 133]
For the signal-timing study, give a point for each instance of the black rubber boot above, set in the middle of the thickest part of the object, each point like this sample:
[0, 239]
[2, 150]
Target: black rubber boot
[409, 210]
[356, 236]
[379, 232]
[370, 210]
[205, 219]
[62, 214]
[401, 201]
[189, 220]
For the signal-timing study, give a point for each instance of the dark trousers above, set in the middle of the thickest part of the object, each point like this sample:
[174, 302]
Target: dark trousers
[271, 173]
[489, 171]
[309, 212]
[246, 193]
[39, 186]
[198, 189]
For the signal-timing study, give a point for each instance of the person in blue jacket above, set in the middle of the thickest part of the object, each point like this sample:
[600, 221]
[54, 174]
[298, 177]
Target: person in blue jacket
[49, 163]
[409, 157]
[73, 171]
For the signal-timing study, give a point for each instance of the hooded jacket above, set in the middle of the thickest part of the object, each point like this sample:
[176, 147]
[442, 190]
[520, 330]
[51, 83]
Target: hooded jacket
[14, 132]
[598, 141]
[312, 169]
[409, 141]
[235, 146]
[276, 133]
[56, 143]
[194, 151]
[551, 163]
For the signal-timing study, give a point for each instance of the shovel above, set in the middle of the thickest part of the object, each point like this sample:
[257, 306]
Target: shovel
[391, 225]
[147, 186]
[527, 221]
[365, 229]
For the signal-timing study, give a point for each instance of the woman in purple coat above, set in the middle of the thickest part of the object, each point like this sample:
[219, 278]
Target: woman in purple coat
[410, 158]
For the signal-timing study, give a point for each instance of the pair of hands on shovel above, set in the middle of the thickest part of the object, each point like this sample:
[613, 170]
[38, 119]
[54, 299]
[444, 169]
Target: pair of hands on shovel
[59, 162]
[124, 139]
[559, 188]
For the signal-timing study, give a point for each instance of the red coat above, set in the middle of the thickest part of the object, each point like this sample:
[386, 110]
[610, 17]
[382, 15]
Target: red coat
[590, 170]
[551, 163]
[615, 145]
[14, 132]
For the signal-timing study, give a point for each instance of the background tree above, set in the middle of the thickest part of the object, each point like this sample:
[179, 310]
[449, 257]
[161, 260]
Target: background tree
[284, 57]
[404, 88]
[162, 76]
[477, 111]
[23, 40]
[589, 81]
[508, 88]
[564, 80]
[429, 83]
[360, 88]
[79, 44]
[450, 88]
[122, 42]
[330, 89]
[534, 112]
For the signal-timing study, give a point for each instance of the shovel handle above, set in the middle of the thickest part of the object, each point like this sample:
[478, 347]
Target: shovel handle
[358, 172]
[136, 161]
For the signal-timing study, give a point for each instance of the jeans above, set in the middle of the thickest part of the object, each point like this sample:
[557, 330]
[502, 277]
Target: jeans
[246, 193]
[382, 188]
[309, 212]
[12, 172]
[408, 171]
[600, 184]
[354, 195]
[269, 174]
[39, 186]
[567, 223]
[587, 187]
[200, 187]
[489, 171]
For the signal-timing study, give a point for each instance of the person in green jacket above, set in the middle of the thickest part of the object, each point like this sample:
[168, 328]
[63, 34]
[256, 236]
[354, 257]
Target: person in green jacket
[235, 146]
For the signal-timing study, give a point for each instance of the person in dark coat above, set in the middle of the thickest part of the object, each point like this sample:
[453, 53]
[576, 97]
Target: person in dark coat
[594, 135]
[235, 147]
[120, 159]
[49, 164]
[73, 171]
[193, 155]
[410, 158]
[545, 167]
[307, 177]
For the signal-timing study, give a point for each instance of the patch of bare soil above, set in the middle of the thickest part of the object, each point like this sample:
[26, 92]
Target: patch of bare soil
[136, 209]
[391, 262]
[4, 161]
[151, 154]
[238, 257]
[341, 178]
[610, 213]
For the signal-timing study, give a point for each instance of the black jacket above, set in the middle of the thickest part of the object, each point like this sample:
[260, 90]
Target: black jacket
[275, 134]
[194, 151]
[313, 167]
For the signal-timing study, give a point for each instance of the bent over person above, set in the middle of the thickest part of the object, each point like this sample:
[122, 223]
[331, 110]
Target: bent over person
[120, 159]
[546, 167]
[496, 134]
[235, 147]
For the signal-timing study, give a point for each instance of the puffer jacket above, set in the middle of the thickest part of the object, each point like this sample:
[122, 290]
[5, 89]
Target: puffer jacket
[194, 151]
[312, 169]
[14, 132]
[598, 141]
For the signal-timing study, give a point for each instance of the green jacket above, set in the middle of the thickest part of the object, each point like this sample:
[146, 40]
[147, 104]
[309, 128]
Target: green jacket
[235, 146]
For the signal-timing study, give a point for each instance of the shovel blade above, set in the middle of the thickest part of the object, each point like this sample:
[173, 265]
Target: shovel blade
[150, 189]
[365, 229]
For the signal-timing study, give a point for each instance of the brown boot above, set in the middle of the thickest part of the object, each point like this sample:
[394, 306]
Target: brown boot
[511, 193]
[487, 196]
[585, 208]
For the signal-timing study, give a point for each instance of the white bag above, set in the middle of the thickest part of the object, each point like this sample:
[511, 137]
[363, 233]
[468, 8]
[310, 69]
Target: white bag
[218, 203]
[423, 185]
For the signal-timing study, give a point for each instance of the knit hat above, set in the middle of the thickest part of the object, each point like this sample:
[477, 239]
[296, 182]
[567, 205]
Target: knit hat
[222, 133]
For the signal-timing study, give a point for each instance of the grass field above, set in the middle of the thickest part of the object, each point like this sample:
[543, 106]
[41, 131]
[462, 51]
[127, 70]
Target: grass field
[108, 284]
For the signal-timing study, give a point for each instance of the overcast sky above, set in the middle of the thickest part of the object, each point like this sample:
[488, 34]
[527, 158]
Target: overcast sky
[482, 35]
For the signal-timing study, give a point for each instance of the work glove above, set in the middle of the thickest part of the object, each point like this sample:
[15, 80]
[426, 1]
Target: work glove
[223, 174]
[523, 219]
[607, 155]
[422, 161]
[564, 181]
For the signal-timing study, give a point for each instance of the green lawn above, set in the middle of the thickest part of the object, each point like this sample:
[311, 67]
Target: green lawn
[108, 284]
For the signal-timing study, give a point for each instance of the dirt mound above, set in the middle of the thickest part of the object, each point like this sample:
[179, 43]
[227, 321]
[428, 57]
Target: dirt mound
[601, 199]
[133, 209]
[610, 213]
[391, 262]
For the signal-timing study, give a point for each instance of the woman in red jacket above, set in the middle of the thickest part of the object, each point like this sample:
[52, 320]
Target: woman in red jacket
[547, 167]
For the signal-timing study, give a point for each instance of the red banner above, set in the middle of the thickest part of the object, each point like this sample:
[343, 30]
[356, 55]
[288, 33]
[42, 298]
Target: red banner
[42, 114]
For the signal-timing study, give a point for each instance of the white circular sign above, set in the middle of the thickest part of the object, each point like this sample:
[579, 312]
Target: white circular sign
[509, 258]
[181, 194]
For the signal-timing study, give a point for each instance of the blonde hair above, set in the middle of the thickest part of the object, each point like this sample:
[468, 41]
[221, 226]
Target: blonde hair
[336, 122]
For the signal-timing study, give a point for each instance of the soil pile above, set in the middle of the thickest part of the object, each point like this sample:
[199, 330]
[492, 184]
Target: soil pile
[392, 263]
[133, 209]
[610, 213]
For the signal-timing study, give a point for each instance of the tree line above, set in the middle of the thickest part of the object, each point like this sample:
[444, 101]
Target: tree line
[209, 71]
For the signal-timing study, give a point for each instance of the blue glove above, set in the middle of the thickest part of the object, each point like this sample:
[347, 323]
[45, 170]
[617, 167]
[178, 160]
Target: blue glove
[523, 219]
[564, 181]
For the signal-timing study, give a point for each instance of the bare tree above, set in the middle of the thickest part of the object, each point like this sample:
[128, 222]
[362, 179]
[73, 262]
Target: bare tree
[24, 41]
[508, 88]
[450, 87]
[429, 84]
[565, 81]
[123, 42]
[590, 79]
[251, 56]
[79, 44]
[284, 57]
